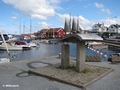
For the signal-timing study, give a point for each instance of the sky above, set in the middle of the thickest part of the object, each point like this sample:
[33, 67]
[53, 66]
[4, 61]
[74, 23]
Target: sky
[16, 16]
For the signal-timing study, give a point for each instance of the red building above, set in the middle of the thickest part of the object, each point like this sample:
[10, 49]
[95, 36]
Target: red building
[43, 33]
[55, 33]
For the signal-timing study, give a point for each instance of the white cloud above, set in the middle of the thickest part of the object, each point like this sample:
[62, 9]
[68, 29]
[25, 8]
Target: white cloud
[87, 6]
[40, 9]
[61, 17]
[87, 24]
[14, 17]
[45, 25]
[106, 11]
[99, 5]
[15, 14]
[102, 7]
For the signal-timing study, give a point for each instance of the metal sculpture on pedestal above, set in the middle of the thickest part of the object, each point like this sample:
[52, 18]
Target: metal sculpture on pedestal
[80, 40]
[67, 26]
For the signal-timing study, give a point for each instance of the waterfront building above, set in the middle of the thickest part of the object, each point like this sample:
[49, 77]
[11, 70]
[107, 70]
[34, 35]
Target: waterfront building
[28, 36]
[99, 28]
[43, 33]
[37, 34]
[55, 33]
[114, 28]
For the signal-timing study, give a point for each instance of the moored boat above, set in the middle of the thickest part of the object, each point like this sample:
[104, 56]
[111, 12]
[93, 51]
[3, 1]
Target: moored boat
[4, 60]
[10, 47]
[97, 45]
[23, 44]
[31, 44]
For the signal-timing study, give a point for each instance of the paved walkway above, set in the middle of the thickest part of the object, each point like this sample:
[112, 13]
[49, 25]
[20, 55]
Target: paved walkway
[109, 82]
[13, 76]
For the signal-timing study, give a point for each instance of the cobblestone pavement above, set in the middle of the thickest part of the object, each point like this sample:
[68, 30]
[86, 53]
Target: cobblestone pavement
[70, 76]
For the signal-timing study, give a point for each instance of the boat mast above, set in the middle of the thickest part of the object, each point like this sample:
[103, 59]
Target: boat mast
[70, 23]
[24, 27]
[20, 24]
[30, 27]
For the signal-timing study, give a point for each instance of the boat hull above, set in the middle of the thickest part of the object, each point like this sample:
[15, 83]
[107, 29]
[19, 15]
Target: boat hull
[2, 48]
[4, 60]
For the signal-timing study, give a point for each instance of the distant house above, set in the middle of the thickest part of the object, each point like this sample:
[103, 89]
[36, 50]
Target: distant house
[28, 36]
[114, 28]
[85, 31]
[25, 36]
[98, 28]
[36, 34]
[55, 33]
[43, 33]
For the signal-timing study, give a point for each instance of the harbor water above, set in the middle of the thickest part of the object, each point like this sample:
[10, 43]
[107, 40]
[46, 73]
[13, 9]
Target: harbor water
[45, 50]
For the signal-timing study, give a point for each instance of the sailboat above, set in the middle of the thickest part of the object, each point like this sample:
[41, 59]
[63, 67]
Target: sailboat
[4, 60]
[29, 42]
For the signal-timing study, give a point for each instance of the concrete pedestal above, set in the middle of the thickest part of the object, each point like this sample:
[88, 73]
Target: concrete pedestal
[80, 57]
[65, 55]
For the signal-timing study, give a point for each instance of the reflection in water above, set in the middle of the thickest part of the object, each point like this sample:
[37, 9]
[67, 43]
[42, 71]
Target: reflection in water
[46, 50]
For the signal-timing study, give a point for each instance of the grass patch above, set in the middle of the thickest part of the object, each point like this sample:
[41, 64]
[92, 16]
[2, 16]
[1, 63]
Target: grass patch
[29, 72]
[71, 67]
[86, 70]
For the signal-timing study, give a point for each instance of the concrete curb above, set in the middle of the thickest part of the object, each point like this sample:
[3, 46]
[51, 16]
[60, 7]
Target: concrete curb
[33, 59]
[98, 78]
[56, 79]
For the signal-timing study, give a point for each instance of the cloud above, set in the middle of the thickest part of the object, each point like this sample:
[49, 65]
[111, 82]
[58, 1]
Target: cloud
[106, 11]
[102, 7]
[41, 9]
[45, 25]
[87, 6]
[14, 17]
[99, 5]
[61, 17]
[87, 24]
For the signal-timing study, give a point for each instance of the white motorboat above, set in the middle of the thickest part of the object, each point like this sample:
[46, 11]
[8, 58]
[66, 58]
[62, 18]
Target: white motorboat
[32, 44]
[24, 47]
[97, 45]
[10, 47]
[23, 44]
[4, 60]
